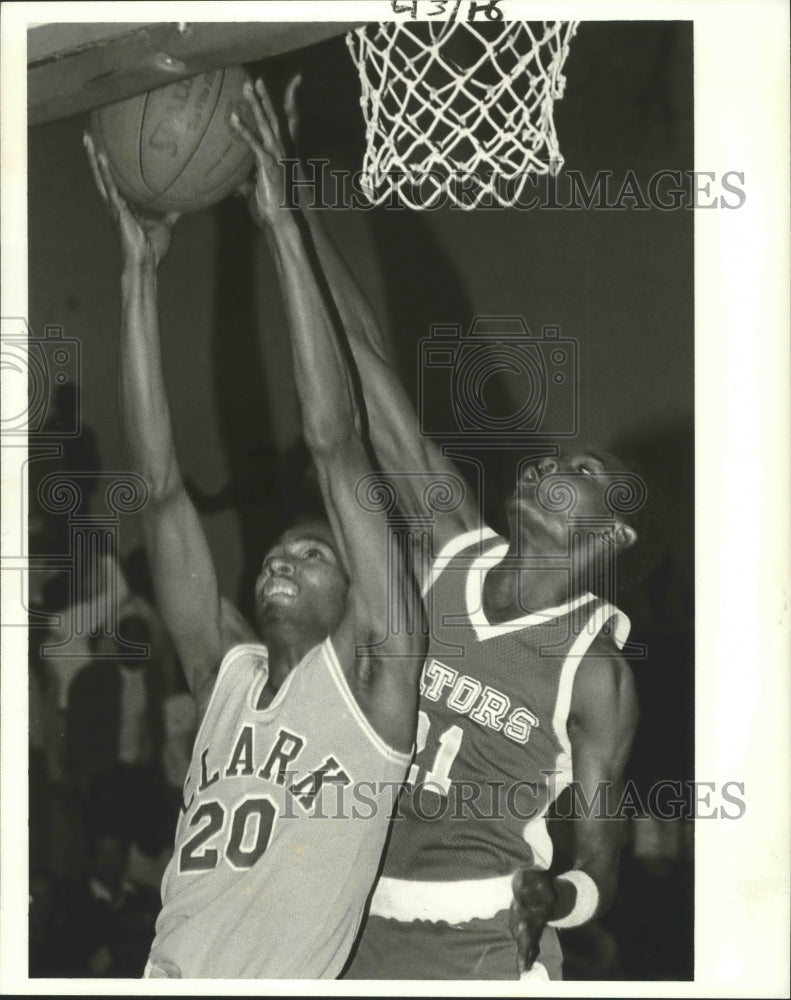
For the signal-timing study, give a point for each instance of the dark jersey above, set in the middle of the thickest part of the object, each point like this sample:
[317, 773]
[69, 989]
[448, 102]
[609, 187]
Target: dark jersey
[492, 747]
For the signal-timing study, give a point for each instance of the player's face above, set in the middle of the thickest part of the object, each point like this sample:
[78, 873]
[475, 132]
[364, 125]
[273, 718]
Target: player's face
[551, 493]
[302, 581]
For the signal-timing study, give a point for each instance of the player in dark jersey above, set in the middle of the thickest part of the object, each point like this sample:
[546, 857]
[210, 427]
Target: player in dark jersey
[524, 690]
[267, 880]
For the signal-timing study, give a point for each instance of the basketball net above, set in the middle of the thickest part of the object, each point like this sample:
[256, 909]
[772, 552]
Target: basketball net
[459, 108]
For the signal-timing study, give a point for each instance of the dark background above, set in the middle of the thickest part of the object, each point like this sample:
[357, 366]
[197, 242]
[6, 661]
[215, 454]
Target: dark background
[619, 282]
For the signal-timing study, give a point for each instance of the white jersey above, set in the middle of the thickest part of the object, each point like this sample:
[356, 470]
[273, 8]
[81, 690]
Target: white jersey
[283, 823]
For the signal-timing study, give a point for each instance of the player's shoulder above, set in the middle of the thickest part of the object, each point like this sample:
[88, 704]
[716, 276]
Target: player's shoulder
[479, 538]
[603, 680]
[603, 663]
[252, 654]
[461, 547]
[241, 658]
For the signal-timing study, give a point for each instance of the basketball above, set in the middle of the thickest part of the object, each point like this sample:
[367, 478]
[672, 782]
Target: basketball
[173, 148]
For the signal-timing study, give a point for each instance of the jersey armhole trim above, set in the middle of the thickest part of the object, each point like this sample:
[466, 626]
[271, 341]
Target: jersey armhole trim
[258, 649]
[452, 548]
[337, 674]
[601, 615]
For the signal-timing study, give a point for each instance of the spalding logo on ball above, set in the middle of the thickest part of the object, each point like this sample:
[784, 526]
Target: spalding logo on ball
[173, 149]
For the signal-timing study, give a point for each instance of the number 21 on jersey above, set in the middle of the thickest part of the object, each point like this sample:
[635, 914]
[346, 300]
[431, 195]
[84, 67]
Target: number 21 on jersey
[437, 778]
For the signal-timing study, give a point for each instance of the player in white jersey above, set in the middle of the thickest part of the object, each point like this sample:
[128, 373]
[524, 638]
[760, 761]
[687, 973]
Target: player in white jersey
[439, 923]
[308, 726]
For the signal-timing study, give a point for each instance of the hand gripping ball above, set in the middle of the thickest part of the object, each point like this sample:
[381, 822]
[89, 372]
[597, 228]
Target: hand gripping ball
[173, 148]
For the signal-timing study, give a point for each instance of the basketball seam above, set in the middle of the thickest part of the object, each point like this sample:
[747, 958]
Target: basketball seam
[208, 191]
[114, 166]
[141, 132]
[202, 136]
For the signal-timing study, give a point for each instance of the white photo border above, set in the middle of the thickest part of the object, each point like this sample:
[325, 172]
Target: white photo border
[742, 265]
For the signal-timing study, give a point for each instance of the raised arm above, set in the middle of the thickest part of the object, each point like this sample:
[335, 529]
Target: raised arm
[393, 424]
[183, 572]
[384, 683]
[601, 727]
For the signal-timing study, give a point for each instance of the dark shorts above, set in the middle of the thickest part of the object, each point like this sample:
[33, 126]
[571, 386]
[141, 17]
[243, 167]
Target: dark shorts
[478, 949]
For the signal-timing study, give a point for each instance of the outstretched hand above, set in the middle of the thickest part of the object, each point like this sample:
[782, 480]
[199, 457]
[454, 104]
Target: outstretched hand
[144, 239]
[534, 900]
[267, 197]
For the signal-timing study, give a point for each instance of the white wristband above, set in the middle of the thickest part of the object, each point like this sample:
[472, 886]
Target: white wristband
[585, 904]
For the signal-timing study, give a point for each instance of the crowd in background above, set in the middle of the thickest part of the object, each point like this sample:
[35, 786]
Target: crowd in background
[111, 726]
[111, 734]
